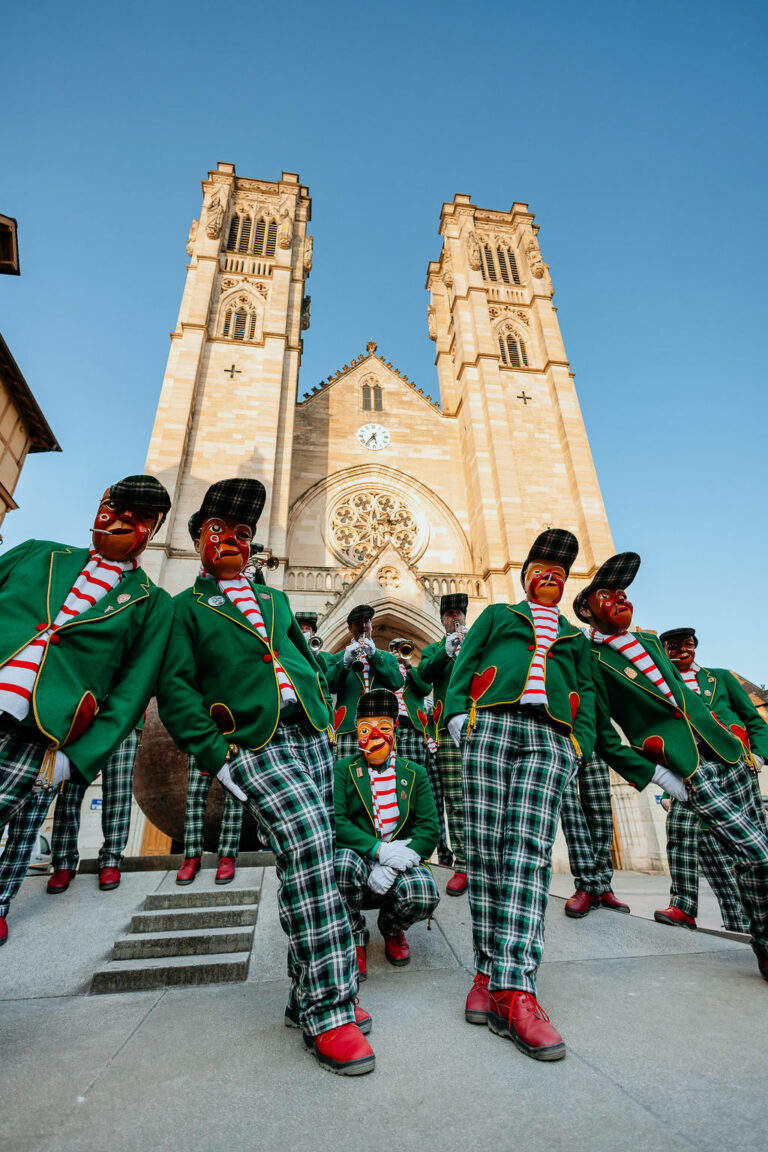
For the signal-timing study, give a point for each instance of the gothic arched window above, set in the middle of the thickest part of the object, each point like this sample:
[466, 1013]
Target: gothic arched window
[234, 227]
[500, 263]
[366, 391]
[378, 398]
[513, 351]
[245, 235]
[241, 320]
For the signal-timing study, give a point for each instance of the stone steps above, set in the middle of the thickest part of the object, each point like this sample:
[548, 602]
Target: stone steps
[183, 937]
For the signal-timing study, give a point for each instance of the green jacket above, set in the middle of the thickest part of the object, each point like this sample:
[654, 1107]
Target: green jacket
[355, 827]
[491, 670]
[730, 704]
[99, 670]
[218, 684]
[348, 684]
[434, 670]
[658, 730]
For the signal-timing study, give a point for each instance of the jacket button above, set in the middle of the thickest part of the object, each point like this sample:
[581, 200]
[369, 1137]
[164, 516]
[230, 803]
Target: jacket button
[678, 714]
[267, 658]
[55, 639]
[531, 647]
[40, 627]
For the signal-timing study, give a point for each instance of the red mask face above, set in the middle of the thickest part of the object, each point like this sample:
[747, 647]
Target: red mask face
[376, 737]
[544, 582]
[682, 653]
[121, 533]
[611, 609]
[224, 547]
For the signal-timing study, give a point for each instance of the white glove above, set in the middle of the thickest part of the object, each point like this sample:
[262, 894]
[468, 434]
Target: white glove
[62, 770]
[396, 854]
[455, 725]
[350, 653]
[671, 783]
[381, 879]
[369, 647]
[452, 643]
[225, 776]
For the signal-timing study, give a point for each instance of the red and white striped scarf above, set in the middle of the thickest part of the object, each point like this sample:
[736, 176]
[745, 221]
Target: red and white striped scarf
[690, 679]
[546, 619]
[363, 661]
[630, 647]
[18, 676]
[400, 693]
[386, 812]
[240, 593]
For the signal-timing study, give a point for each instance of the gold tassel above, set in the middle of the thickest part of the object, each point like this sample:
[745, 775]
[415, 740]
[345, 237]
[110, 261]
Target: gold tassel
[575, 743]
[45, 776]
[472, 722]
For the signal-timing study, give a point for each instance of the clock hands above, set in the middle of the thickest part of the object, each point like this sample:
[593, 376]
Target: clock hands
[371, 440]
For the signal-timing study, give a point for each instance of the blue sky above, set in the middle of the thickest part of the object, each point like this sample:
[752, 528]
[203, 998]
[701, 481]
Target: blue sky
[635, 132]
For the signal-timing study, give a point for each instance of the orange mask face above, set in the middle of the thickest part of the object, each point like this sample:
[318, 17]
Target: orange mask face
[682, 653]
[611, 609]
[544, 582]
[224, 547]
[376, 737]
[121, 533]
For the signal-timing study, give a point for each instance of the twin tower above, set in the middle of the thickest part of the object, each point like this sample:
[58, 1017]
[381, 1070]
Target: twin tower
[375, 494]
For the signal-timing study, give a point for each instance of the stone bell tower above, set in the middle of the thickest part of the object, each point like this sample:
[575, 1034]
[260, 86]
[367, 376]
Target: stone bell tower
[229, 392]
[503, 373]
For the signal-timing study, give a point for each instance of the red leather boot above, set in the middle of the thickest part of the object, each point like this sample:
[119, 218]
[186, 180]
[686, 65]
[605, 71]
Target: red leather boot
[362, 961]
[60, 880]
[188, 870]
[675, 917]
[519, 1016]
[3, 930]
[109, 878]
[225, 873]
[396, 950]
[457, 885]
[580, 904]
[478, 1001]
[343, 1050]
[608, 900]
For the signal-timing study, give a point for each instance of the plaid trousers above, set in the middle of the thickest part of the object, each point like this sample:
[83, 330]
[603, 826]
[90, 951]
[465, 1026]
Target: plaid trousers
[412, 897]
[289, 785]
[724, 798]
[689, 846]
[22, 833]
[346, 745]
[116, 794]
[21, 758]
[515, 767]
[587, 820]
[410, 743]
[198, 787]
[448, 760]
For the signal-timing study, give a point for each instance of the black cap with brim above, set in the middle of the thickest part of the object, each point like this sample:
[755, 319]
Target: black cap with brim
[377, 702]
[679, 634]
[236, 499]
[617, 572]
[454, 602]
[556, 546]
[141, 492]
[360, 612]
[307, 618]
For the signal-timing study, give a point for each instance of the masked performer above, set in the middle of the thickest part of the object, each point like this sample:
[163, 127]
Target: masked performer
[82, 637]
[674, 740]
[360, 667]
[198, 787]
[241, 692]
[116, 801]
[386, 824]
[307, 621]
[688, 842]
[587, 819]
[523, 677]
[435, 668]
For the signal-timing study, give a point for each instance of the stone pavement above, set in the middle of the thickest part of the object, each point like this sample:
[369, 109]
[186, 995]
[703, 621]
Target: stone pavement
[665, 1031]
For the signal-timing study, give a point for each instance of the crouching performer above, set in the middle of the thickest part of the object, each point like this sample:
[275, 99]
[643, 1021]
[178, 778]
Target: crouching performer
[82, 634]
[521, 705]
[386, 824]
[241, 692]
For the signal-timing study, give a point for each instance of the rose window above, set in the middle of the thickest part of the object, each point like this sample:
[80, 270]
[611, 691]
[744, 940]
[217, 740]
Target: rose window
[363, 523]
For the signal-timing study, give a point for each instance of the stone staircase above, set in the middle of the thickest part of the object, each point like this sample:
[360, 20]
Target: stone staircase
[183, 938]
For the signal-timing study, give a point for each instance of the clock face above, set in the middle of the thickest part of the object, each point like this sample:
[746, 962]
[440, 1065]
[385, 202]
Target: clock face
[373, 436]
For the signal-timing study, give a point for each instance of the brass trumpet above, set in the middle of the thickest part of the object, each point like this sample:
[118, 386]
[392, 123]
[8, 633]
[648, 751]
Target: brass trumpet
[315, 643]
[261, 557]
[401, 647]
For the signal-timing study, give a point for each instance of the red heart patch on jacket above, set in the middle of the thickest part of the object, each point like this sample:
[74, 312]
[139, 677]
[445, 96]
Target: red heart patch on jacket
[575, 700]
[481, 682]
[423, 719]
[741, 733]
[653, 750]
[338, 716]
[437, 711]
[223, 719]
[84, 716]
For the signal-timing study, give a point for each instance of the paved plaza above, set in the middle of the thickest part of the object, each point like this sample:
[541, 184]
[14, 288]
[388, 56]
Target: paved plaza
[665, 1031]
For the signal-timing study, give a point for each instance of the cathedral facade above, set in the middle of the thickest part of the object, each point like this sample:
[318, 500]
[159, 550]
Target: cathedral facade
[375, 493]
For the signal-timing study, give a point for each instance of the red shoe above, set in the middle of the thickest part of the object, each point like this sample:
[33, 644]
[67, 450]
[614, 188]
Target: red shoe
[478, 1002]
[519, 1016]
[457, 885]
[362, 961]
[3, 930]
[396, 949]
[60, 880]
[675, 917]
[608, 900]
[762, 960]
[363, 1019]
[343, 1050]
[109, 878]
[225, 873]
[580, 904]
[188, 870]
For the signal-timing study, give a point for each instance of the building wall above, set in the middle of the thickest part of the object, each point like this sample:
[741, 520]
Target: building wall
[14, 445]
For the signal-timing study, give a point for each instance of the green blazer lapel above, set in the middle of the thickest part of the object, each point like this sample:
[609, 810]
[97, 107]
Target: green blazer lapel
[626, 669]
[266, 605]
[404, 781]
[134, 585]
[207, 590]
[64, 569]
[363, 785]
[708, 685]
[522, 609]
